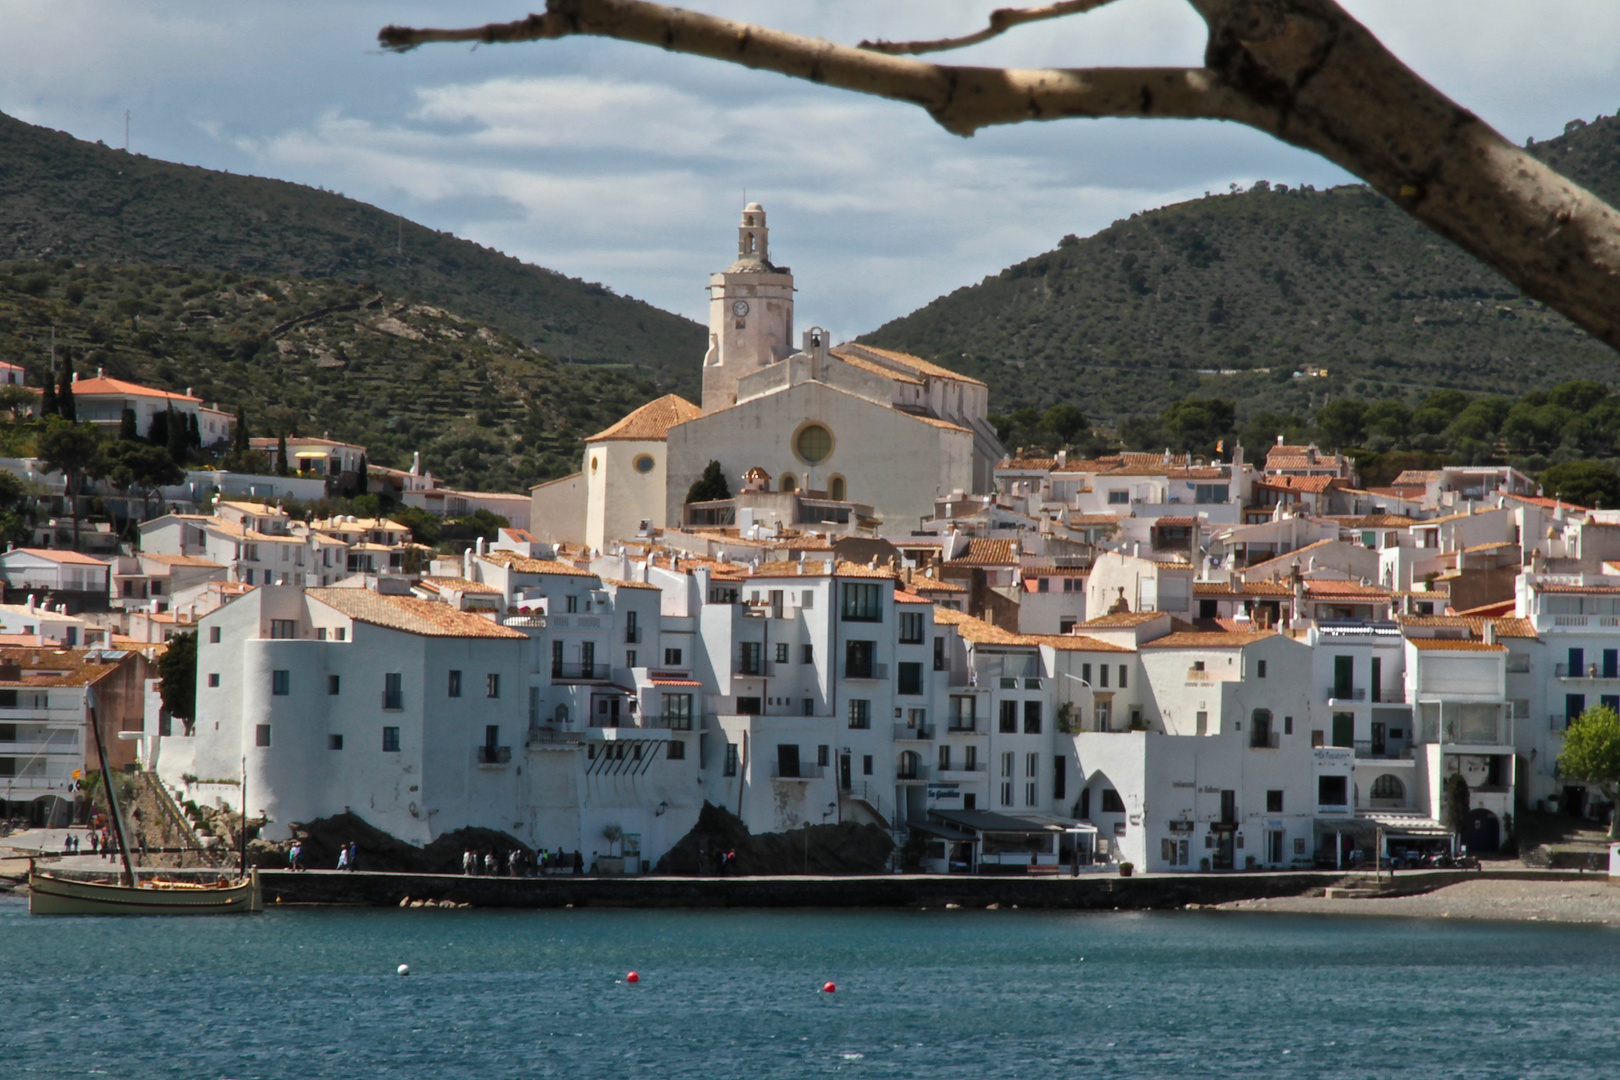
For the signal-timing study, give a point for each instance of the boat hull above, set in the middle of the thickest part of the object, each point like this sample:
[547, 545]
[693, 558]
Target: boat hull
[52, 895]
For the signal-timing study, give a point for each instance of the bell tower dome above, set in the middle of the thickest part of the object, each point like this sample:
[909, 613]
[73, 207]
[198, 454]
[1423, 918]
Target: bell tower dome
[750, 314]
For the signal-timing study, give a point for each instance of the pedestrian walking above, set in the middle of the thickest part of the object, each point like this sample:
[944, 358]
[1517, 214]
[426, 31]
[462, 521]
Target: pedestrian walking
[354, 856]
[467, 862]
[489, 863]
[343, 857]
[95, 848]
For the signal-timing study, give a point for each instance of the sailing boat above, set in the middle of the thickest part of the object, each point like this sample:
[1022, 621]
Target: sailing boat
[53, 894]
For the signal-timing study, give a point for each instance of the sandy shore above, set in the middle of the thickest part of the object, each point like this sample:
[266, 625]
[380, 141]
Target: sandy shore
[1592, 901]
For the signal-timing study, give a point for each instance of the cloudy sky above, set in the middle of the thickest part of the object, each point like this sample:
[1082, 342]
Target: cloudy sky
[625, 165]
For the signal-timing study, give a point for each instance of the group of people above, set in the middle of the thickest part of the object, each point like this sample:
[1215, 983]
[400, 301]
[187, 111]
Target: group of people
[349, 856]
[728, 863]
[517, 863]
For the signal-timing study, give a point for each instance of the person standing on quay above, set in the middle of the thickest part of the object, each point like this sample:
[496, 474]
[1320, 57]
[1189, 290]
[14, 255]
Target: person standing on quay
[343, 857]
[354, 856]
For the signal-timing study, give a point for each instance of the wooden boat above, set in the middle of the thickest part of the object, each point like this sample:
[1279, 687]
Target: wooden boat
[52, 894]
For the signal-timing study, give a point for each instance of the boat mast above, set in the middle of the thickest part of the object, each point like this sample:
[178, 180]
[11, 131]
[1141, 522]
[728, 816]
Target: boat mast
[112, 797]
[244, 815]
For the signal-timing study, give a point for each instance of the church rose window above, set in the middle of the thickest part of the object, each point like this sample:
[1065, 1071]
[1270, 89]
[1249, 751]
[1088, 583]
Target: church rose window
[814, 444]
[644, 464]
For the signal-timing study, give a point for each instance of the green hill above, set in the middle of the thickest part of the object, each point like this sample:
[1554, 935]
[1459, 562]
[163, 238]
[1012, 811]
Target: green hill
[487, 410]
[62, 197]
[1228, 296]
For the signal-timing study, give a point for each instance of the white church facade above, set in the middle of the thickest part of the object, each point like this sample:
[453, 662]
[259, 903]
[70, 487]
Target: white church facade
[874, 428]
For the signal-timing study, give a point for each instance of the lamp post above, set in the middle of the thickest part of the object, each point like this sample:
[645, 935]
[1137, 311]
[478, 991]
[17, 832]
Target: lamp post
[1077, 679]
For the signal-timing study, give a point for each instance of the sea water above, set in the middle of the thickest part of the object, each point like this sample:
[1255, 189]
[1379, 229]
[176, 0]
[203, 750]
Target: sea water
[497, 994]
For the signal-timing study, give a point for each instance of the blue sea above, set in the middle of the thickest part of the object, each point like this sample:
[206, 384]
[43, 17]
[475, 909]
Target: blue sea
[494, 994]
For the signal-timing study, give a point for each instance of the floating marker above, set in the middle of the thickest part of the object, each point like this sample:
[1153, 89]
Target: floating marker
[829, 987]
[404, 969]
[632, 978]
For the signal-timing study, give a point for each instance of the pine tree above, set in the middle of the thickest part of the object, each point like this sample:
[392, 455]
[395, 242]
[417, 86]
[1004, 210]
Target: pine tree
[365, 476]
[127, 429]
[240, 434]
[47, 400]
[64, 390]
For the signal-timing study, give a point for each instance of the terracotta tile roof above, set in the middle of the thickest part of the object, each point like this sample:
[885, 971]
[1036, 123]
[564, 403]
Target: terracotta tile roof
[1240, 588]
[932, 585]
[652, 421]
[559, 480]
[1497, 610]
[982, 552]
[1175, 522]
[1122, 620]
[1208, 639]
[1027, 465]
[58, 556]
[932, 421]
[1473, 624]
[1081, 521]
[1329, 587]
[1415, 478]
[915, 363]
[1377, 521]
[857, 361]
[1544, 503]
[523, 565]
[427, 618]
[1454, 645]
[977, 630]
[89, 387]
[182, 560]
[620, 583]
[901, 596]
[849, 569]
[459, 584]
[51, 665]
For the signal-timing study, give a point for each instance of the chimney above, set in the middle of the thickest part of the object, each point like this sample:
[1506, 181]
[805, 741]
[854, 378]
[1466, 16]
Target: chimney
[1489, 632]
[101, 373]
[480, 545]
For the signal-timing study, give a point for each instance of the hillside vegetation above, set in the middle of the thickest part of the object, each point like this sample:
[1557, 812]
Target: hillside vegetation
[308, 357]
[1230, 295]
[63, 197]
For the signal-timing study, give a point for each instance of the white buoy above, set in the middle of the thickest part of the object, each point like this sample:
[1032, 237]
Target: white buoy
[404, 969]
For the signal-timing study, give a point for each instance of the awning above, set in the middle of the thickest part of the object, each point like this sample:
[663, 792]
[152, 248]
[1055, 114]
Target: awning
[942, 830]
[1394, 826]
[311, 454]
[983, 821]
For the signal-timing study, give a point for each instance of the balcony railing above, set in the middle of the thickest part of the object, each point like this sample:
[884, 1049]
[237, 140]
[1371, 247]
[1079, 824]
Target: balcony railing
[579, 671]
[393, 700]
[1387, 752]
[916, 772]
[964, 767]
[1347, 693]
[866, 671]
[551, 735]
[670, 721]
[803, 772]
[913, 731]
[494, 755]
[1591, 671]
[632, 635]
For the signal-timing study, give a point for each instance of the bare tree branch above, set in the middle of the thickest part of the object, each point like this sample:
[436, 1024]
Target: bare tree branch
[1001, 20]
[1303, 71]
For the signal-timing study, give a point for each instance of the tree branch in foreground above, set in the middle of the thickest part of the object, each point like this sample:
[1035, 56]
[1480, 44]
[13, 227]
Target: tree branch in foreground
[1303, 71]
[1001, 20]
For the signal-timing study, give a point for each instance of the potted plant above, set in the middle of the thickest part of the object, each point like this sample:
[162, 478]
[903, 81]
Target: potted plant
[1126, 869]
[611, 864]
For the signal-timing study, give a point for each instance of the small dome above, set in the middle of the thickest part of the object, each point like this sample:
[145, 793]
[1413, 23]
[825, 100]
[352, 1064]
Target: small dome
[753, 206]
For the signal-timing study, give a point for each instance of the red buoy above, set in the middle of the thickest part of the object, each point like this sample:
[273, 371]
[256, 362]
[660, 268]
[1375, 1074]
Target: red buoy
[632, 978]
[827, 988]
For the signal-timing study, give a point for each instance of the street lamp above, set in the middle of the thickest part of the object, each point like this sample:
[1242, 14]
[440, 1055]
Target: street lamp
[1077, 679]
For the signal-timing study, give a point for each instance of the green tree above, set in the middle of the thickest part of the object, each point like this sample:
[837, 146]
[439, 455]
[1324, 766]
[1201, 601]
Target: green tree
[239, 433]
[425, 527]
[193, 433]
[1064, 421]
[1343, 423]
[17, 400]
[47, 399]
[178, 436]
[363, 481]
[1454, 803]
[65, 405]
[177, 668]
[710, 486]
[127, 426]
[1197, 424]
[1585, 483]
[139, 466]
[13, 509]
[1591, 755]
[74, 450]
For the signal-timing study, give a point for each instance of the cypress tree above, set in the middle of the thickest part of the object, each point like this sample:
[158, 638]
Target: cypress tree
[178, 434]
[193, 433]
[127, 429]
[47, 400]
[158, 432]
[281, 456]
[64, 390]
[365, 476]
[240, 434]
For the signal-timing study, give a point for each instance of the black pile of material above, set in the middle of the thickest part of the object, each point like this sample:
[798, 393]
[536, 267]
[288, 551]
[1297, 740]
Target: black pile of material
[379, 851]
[833, 849]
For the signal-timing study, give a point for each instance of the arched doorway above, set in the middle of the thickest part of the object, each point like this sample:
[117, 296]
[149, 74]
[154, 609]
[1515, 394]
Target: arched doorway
[1482, 832]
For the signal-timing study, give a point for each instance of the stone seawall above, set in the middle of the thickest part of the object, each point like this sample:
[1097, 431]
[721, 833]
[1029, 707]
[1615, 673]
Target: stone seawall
[1092, 892]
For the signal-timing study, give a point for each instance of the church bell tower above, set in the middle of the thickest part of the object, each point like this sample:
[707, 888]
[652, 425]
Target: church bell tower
[750, 314]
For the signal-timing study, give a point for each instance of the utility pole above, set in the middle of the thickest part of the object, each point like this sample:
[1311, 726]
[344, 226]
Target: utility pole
[126, 131]
[399, 238]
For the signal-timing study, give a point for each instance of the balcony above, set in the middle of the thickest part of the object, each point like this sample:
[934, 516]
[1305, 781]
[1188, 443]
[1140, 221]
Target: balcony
[632, 635]
[1347, 693]
[1592, 671]
[866, 671]
[669, 721]
[913, 733]
[1009, 682]
[803, 772]
[1264, 740]
[1385, 752]
[916, 774]
[393, 700]
[552, 736]
[494, 755]
[968, 770]
[580, 672]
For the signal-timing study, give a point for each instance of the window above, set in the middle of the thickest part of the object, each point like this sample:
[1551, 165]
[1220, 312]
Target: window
[862, 603]
[492, 685]
[630, 658]
[1198, 665]
[283, 628]
[1288, 725]
[1260, 669]
[571, 604]
[1111, 802]
[261, 735]
[644, 464]
[939, 654]
[823, 755]
[340, 633]
[750, 658]
[1060, 777]
[1274, 802]
[1388, 787]
[781, 652]
[334, 742]
[1331, 791]
[807, 654]
[731, 759]
[1260, 735]
[860, 713]
[557, 659]
[280, 683]
[866, 765]
[814, 444]
[390, 740]
[858, 660]
[1123, 681]
[1119, 498]
[835, 489]
[455, 684]
[1009, 717]
[320, 633]
[213, 679]
[332, 684]
[676, 751]
[678, 711]
[911, 628]
[672, 657]
[945, 757]
[911, 678]
[1201, 723]
[1043, 585]
[213, 635]
[1032, 718]
[1006, 765]
[1102, 676]
[809, 706]
[393, 690]
[632, 628]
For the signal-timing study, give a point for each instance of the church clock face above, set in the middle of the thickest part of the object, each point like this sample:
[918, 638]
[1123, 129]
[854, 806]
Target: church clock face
[740, 308]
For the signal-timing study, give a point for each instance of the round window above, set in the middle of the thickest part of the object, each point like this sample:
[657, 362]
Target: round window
[593, 463]
[644, 464]
[814, 443]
